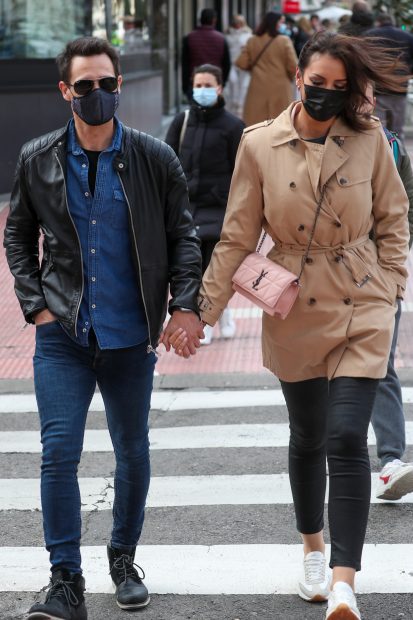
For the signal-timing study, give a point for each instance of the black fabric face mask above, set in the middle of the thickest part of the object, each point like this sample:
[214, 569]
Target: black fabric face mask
[97, 107]
[324, 103]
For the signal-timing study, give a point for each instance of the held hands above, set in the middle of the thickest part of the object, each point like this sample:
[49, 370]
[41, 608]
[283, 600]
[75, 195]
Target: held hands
[183, 333]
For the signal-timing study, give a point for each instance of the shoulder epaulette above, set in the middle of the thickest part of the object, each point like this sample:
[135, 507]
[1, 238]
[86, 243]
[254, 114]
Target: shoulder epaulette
[258, 125]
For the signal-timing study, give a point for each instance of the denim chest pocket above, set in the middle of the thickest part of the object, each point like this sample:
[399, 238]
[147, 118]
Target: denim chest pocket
[120, 212]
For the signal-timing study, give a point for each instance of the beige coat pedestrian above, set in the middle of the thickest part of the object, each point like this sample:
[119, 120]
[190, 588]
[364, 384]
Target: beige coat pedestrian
[342, 322]
[270, 89]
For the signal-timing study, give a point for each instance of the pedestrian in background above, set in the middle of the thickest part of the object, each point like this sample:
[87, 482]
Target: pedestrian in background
[113, 206]
[396, 477]
[391, 105]
[301, 32]
[332, 349]
[270, 58]
[206, 138]
[315, 23]
[238, 34]
[360, 21]
[204, 45]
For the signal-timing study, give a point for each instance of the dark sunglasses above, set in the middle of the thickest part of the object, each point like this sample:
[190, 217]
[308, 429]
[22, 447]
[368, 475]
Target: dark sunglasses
[84, 87]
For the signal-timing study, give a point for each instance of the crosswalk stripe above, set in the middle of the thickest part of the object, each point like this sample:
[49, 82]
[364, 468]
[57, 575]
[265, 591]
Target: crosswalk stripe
[179, 400]
[179, 438]
[167, 491]
[217, 569]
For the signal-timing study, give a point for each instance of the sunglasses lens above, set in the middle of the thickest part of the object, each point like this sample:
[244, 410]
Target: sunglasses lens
[83, 87]
[109, 84]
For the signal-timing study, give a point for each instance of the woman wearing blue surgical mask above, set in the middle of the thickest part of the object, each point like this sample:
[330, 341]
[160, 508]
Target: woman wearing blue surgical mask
[206, 139]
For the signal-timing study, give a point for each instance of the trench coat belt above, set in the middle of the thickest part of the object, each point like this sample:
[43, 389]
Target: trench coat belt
[345, 251]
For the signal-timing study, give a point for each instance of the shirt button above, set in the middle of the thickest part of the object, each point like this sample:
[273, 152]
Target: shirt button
[93, 221]
[337, 224]
[93, 251]
[86, 194]
[338, 259]
[86, 322]
[84, 330]
[293, 185]
[93, 306]
[348, 301]
[301, 227]
[121, 166]
[312, 301]
[83, 165]
[93, 279]
[309, 261]
[343, 181]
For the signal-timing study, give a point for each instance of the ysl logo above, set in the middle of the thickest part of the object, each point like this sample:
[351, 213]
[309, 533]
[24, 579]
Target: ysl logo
[258, 280]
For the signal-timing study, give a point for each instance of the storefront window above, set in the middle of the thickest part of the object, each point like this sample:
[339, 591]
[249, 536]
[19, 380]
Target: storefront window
[40, 29]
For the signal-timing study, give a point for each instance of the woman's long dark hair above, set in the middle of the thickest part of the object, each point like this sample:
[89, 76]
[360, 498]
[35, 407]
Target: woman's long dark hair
[365, 61]
[269, 24]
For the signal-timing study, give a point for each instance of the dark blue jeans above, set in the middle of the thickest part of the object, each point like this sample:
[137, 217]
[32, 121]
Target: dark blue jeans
[65, 376]
[388, 415]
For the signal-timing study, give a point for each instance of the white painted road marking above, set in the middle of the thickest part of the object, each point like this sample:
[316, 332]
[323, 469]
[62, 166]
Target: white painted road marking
[179, 438]
[180, 400]
[217, 569]
[97, 493]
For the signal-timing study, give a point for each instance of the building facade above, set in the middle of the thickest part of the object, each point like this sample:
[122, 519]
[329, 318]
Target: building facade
[147, 33]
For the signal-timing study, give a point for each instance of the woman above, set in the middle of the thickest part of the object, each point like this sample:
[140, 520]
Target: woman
[332, 349]
[238, 34]
[206, 143]
[271, 59]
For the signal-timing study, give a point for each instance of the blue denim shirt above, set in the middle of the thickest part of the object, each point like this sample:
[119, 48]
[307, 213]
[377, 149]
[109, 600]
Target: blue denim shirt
[112, 301]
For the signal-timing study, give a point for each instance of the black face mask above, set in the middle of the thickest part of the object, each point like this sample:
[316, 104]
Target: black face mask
[324, 103]
[97, 107]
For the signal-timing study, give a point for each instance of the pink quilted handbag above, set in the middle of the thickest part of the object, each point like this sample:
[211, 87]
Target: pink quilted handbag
[267, 284]
[271, 287]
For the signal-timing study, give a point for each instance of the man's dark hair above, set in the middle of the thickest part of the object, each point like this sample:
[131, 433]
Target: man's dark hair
[362, 17]
[384, 19]
[208, 16]
[212, 69]
[85, 46]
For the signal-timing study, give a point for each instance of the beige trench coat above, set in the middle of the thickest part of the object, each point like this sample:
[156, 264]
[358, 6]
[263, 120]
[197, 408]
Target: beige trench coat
[270, 89]
[338, 326]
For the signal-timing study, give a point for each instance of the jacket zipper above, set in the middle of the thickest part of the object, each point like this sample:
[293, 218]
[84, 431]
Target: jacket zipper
[150, 348]
[80, 247]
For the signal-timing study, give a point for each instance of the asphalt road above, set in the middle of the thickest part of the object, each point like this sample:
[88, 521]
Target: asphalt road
[206, 559]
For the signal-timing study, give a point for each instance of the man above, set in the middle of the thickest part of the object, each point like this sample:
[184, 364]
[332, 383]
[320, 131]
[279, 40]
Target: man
[204, 45]
[391, 106]
[396, 477]
[361, 20]
[112, 205]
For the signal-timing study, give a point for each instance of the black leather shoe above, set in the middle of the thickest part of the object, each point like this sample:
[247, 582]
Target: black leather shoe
[64, 599]
[131, 592]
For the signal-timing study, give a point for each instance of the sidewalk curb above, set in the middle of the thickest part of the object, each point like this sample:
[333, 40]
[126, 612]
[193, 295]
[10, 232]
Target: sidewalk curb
[194, 382]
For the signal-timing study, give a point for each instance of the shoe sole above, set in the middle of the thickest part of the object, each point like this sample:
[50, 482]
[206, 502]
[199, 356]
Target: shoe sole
[39, 615]
[317, 598]
[343, 612]
[400, 487]
[134, 605]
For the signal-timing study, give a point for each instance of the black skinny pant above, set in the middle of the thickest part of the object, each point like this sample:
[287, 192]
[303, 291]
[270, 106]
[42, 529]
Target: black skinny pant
[330, 419]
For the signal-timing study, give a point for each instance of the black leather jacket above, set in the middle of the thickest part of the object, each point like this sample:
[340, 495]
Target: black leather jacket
[161, 227]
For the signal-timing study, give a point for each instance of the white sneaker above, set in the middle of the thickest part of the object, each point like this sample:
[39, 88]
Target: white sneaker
[342, 603]
[317, 578]
[208, 335]
[227, 324]
[395, 480]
